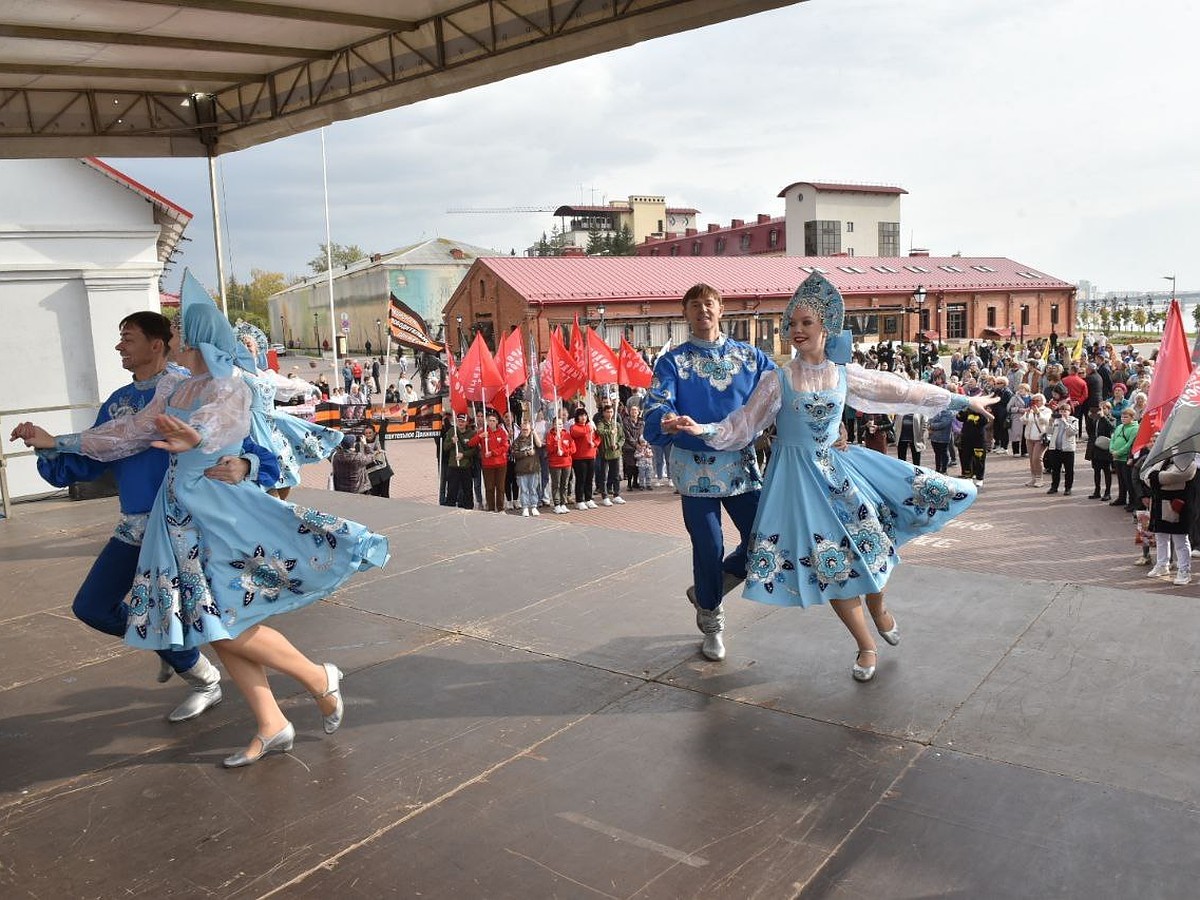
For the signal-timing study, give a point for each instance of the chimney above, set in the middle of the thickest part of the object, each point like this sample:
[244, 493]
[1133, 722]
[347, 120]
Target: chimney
[688, 232]
[376, 257]
[737, 223]
[713, 226]
[573, 251]
[763, 218]
[918, 251]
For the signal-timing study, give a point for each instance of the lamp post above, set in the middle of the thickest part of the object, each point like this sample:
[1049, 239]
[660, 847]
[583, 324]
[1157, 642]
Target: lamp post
[316, 335]
[918, 298]
[600, 313]
[379, 335]
[1171, 278]
[458, 322]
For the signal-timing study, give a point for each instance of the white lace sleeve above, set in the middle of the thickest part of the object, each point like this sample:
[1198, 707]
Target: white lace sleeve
[875, 391]
[127, 435]
[742, 426]
[224, 417]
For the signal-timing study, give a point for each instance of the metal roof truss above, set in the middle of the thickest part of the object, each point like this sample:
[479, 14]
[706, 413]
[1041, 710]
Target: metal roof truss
[167, 77]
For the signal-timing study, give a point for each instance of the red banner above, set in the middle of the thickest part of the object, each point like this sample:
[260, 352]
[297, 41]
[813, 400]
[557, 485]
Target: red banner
[1171, 371]
[568, 376]
[631, 368]
[458, 398]
[602, 362]
[480, 377]
[510, 359]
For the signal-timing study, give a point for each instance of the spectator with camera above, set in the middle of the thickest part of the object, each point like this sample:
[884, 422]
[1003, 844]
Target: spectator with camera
[1062, 436]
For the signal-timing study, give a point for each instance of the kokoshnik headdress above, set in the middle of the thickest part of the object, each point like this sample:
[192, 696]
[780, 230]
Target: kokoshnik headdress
[205, 328]
[245, 329]
[817, 293]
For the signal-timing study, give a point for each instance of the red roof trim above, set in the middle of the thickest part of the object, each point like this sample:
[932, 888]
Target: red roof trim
[137, 186]
[847, 188]
[575, 210]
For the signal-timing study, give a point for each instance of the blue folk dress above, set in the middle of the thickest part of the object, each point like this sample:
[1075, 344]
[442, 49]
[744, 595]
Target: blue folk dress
[296, 442]
[830, 521]
[217, 558]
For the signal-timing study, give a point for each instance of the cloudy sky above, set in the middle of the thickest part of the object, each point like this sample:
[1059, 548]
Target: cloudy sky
[1060, 133]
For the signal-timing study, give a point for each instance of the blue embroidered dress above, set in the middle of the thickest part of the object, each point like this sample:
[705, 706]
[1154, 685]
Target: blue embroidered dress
[217, 558]
[296, 442]
[830, 521]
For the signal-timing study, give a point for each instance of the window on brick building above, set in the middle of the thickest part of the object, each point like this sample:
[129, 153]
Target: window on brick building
[674, 249]
[697, 248]
[773, 238]
[1053, 313]
[720, 247]
[991, 317]
[746, 241]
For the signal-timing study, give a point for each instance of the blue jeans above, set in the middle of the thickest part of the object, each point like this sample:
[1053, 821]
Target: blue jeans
[100, 602]
[702, 517]
[660, 465]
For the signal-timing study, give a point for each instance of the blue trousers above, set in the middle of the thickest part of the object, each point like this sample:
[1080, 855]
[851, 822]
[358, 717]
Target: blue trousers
[100, 602]
[702, 517]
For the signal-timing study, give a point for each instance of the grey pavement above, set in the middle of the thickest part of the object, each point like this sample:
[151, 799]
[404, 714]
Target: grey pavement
[528, 716]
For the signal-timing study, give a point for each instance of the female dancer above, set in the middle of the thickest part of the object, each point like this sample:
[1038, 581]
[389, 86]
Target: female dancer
[218, 559]
[829, 521]
[296, 442]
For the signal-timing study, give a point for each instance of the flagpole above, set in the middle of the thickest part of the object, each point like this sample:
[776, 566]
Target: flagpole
[329, 257]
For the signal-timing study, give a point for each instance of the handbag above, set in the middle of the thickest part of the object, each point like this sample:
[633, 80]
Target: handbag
[380, 470]
[1102, 442]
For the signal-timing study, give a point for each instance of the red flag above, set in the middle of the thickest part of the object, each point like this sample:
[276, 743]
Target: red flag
[481, 378]
[1171, 371]
[602, 362]
[510, 359]
[579, 347]
[458, 399]
[568, 377]
[631, 368]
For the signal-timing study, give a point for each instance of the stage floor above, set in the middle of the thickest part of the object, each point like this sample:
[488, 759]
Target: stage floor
[528, 716]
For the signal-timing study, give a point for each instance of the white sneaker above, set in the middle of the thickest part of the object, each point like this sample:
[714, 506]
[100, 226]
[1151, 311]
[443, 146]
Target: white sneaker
[534, 512]
[606, 502]
[591, 504]
[1183, 578]
[1159, 572]
[525, 513]
[582, 506]
[619, 500]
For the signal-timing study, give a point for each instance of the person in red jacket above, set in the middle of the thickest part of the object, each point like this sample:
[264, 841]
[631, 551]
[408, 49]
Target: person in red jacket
[560, 452]
[583, 433]
[493, 454]
[1077, 390]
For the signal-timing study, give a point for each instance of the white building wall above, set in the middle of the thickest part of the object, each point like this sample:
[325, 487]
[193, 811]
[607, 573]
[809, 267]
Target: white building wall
[804, 203]
[77, 254]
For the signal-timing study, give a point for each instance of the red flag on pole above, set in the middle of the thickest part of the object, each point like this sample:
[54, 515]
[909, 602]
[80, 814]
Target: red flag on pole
[568, 377]
[481, 378]
[579, 348]
[631, 368]
[1171, 371]
[510, 359]
[602, 362]
[458, 399]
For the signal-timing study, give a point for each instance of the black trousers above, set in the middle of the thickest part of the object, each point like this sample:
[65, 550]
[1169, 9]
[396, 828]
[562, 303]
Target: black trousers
[1060, 463]
[904, 448]
[941, 456]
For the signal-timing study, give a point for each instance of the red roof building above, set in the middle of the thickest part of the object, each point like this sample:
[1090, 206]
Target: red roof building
[639, 297]
[766, 236]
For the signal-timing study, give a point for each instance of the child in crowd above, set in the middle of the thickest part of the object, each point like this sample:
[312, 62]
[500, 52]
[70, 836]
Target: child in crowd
[644, 457]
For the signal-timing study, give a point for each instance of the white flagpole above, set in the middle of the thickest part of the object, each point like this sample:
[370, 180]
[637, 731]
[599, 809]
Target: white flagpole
[329, 259]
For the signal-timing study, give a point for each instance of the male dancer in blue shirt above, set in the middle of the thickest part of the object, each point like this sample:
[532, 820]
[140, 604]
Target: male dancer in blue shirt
[100, 603]
[707, 377]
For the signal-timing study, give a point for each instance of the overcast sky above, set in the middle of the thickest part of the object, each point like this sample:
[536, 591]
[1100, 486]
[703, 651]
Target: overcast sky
[1060, 133]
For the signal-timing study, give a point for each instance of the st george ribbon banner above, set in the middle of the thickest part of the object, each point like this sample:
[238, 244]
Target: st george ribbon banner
[407, 328]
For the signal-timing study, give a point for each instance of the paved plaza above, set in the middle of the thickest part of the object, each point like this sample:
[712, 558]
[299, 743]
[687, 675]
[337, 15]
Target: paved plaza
[528, 717]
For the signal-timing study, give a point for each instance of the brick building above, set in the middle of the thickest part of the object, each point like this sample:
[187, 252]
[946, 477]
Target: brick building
[895, 298]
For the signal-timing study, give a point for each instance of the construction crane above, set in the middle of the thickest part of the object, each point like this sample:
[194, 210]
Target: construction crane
[501, 209]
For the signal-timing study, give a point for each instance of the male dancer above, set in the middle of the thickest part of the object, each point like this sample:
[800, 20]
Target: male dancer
[100, 603]
[707, 377]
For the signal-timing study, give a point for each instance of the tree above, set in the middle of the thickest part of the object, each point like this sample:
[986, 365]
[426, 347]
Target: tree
[249, 301]
[623, 242]
[595, 244]
[342, 256]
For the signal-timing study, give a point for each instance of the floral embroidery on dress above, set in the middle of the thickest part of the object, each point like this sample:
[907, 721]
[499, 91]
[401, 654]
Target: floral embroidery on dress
[870, 542]
[766, 562]
[932, 493]
[830, 562]
[324, 527]
[265, 576]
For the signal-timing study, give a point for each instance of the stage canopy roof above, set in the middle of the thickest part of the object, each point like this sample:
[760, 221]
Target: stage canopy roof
[123, 78]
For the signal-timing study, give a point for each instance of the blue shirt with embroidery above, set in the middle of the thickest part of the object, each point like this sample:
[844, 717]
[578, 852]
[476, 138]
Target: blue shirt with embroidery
[706, 380]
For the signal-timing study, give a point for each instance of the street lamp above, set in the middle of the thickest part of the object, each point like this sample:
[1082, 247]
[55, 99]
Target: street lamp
[458, 321]
[918, 298]
[316, 334]
[1171, 278]
[379, 335]
[600, 313]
